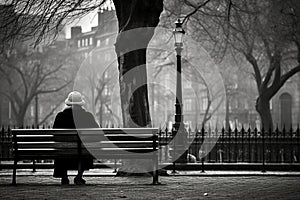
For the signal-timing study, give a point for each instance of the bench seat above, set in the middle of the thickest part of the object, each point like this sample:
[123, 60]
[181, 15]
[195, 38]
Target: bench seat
[99, 143]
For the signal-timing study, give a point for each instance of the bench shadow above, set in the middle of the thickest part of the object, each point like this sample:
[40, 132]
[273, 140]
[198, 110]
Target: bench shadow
[34, 185]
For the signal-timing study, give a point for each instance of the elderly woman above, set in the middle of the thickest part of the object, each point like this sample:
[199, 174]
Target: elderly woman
[74, 116]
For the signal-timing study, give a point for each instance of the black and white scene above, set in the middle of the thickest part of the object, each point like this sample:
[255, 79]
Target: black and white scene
[150, 99]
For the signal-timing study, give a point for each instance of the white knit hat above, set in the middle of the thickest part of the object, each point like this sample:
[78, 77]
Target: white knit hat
[74, 98]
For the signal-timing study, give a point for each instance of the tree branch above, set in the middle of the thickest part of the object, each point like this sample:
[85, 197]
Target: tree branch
[289, 74]
[196, 8]
[54, 90]
[51, 112]
[256, 69]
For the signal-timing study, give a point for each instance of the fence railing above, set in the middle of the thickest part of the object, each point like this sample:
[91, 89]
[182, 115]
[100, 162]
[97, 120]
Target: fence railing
[230, 146]
[235, 146]
[5, 144]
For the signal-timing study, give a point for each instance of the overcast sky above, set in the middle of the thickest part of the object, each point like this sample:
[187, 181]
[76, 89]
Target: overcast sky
[89, 20]
[86, 23]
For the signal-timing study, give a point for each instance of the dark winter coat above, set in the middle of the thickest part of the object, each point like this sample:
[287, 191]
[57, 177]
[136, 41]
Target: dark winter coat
[71, 118]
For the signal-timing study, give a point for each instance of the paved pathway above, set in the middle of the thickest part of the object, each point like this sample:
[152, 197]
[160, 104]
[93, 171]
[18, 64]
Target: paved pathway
[210, 186]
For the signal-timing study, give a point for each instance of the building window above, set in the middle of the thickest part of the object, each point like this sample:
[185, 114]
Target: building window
[155, 105]
[106, 41]
[41, 110]
[246, 105]
[86, 42]
[106, 90]
[82, 42]
[107, 57]
[105, 74]
[188, 84]
[98, 43]
[204, 103]
[236, 103]
[286, 102]
[78, 43]
[91, 41]
[188, 104]
[32, 111]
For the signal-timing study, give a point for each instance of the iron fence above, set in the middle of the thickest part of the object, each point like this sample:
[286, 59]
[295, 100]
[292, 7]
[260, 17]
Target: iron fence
[236, 146]
[230, 146]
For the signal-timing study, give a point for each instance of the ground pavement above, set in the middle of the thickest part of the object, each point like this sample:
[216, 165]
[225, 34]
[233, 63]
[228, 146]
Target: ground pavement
[102, 184]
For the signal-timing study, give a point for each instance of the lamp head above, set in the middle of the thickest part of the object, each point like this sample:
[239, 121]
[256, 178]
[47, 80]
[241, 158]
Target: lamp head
[178, 33]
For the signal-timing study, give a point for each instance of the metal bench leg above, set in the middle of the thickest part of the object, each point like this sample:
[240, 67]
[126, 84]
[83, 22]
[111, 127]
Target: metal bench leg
[155, 171]
[155, 178]
[14, 182]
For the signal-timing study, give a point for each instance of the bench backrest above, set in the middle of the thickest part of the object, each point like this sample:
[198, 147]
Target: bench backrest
[99, 142]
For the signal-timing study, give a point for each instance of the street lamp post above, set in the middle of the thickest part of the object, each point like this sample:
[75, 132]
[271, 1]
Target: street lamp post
[179, 125]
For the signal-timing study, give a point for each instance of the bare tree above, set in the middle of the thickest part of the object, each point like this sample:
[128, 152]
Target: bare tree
[31, 72]
[141, 15]
[39, 21]
[265, 33]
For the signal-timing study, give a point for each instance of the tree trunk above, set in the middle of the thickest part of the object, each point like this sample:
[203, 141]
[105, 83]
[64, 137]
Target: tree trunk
[133, 88]
[263, 108]
[20, 116]
[137, 20]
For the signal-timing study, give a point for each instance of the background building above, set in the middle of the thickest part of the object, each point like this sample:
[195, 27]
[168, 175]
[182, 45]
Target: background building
[97, 78]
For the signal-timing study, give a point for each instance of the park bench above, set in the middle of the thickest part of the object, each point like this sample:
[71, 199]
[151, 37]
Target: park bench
[100, 143]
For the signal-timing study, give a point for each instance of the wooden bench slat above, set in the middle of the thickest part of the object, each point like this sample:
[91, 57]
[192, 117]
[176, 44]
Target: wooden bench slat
[72, 137]
[47, 144]
[121, 144]
[44, 138]
[66, 145]
[116, 143]
[131, 131]
[111, 137]
[119, 131]
[69, 151]
[98, 154]
[125, 156]
[44, 131]
[103, 156]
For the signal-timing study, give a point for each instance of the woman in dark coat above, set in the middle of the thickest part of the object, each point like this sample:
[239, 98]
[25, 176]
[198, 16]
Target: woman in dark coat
[74, 116]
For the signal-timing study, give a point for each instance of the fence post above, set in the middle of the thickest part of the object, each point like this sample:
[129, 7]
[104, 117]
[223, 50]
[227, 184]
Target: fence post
[277, 144]
[166, 149]
[298, 140]
[174, 146]
[202, 159]
[263, 149]
[282, 148]
[2, 144]
[189, 144]
[256, 147]
[270, 145]
[217, 144]
[208, 159]
[221, 151]
[236, 154]
[243, 132]
[33, 161]
[249, 144]
[229, 144]
[291, 144]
